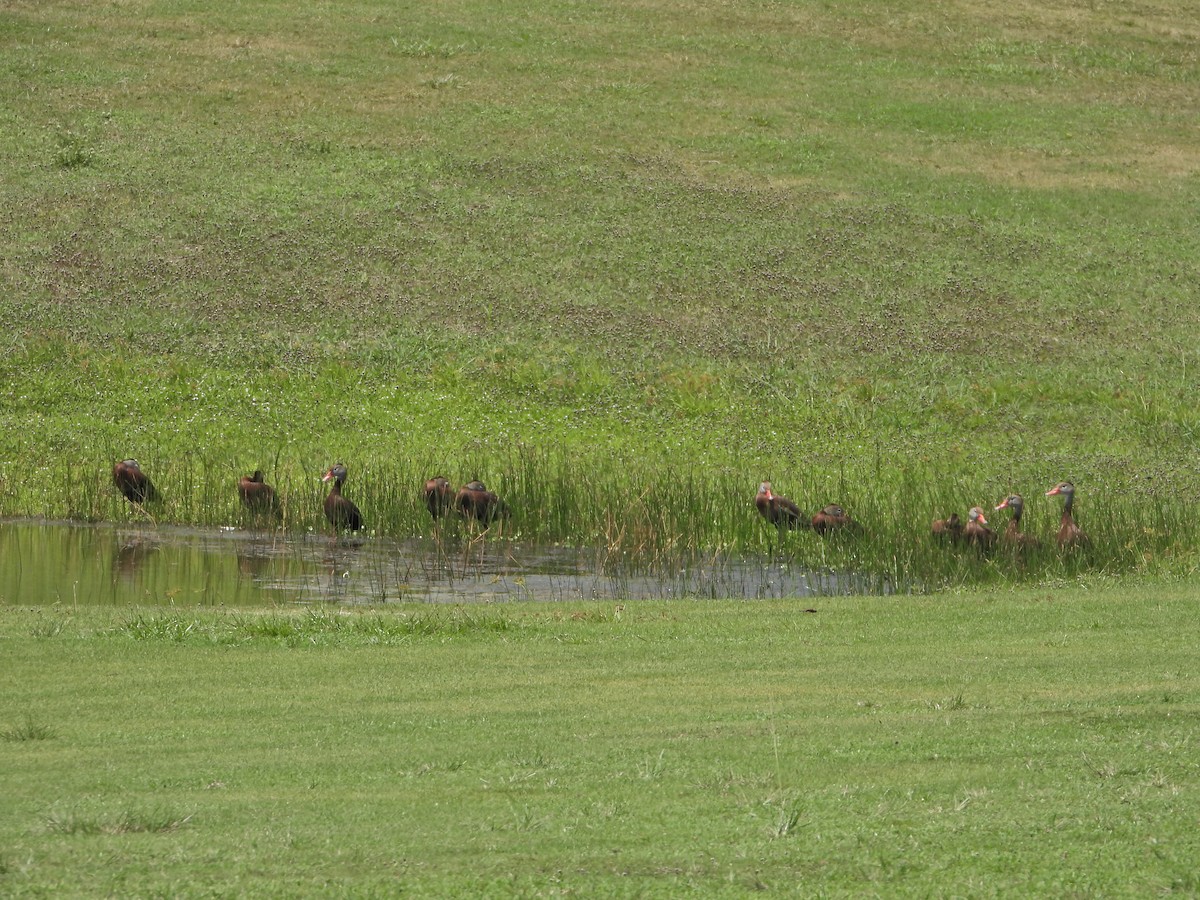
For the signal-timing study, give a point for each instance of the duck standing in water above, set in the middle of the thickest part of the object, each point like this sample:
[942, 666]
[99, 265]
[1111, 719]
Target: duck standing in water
[1069, 534]
[475, 501]
[948, 529]
[340, 511]
[779, 511]
[833, 518]
[132, 482]
[439, 496]
[257, 496]
[1013, 536]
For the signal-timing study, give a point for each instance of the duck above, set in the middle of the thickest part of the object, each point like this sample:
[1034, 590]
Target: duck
[977, 532]
[1012, 535]
[833, 518]
[132, 482]
[1069, 534]
[779, 511]
[439, 496]
[950, 528]
[256, 494]
[340, 511]
[475, 501]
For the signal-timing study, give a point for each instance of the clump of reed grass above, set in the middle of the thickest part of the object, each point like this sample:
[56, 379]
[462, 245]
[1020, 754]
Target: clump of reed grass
[650, 512]
[29, 730]
[127, 821]
[48, 627]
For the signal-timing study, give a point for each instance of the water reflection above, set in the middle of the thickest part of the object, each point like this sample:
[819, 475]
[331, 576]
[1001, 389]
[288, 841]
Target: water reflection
[65, 562]
[131, 553]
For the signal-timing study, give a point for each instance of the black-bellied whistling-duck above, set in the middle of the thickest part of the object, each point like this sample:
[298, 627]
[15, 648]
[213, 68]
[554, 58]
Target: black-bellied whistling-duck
[833, 518]
[948, 529]
[779, 511]
[976, 531]
[474, 501]
[340, 511]
[257, 496]
[1012, 535]
[439, 496]
[132, 482]
[1069, 534]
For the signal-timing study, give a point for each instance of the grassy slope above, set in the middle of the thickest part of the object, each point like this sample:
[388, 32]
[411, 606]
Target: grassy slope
[756, 238]
[980, 744]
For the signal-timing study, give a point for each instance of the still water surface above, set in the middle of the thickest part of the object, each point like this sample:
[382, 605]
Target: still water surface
[44, 563]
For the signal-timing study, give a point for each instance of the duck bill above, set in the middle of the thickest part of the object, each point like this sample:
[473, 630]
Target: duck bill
[1053, 492]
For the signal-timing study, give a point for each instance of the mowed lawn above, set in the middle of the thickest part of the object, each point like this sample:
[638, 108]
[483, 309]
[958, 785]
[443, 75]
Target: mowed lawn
[1035, 743]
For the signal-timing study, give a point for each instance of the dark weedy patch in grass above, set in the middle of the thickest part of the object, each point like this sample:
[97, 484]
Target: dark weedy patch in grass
[29, 730]
[48, 627]
[129, 821]
[316, 627]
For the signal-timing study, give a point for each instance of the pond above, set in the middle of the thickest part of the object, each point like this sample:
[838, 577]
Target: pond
[46, 563]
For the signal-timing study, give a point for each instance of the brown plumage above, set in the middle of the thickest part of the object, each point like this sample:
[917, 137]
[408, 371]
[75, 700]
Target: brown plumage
[474, 501]
[976, 532]
[340, 511]
[132, 482]
[1012, 535]
[833, 518]
[439, 496]
[257, 496]
[1069, 534]
[948, 529]
[779, 511]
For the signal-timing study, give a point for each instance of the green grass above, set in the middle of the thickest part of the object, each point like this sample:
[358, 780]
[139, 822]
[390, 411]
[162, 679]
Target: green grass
[622, 262]
[656, 250]
[1002, 743]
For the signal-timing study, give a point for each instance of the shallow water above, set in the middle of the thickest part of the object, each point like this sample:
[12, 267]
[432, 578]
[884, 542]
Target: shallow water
[44, 563]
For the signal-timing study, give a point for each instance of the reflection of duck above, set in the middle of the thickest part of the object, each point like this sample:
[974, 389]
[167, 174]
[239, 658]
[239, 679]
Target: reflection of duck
[475, 501]
[132, 482]
[254, 559]
[1069, 534]
[257, 496]
[132, 553]
[439, 496]
[1013, 536]
[250, 566]
[340, 511]
[833, 518]
[779, 511]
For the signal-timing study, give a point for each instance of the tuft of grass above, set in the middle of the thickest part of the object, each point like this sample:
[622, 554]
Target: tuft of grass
[788, 821]
[322, 626]
[48, 627]
[29, 730]
[72, 151]
[127, 821]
